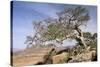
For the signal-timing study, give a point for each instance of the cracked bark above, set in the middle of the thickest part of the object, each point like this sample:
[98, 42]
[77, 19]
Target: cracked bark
[80, 37]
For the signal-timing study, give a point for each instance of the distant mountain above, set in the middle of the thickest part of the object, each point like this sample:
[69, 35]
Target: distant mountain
[16, 49]
[63, 48]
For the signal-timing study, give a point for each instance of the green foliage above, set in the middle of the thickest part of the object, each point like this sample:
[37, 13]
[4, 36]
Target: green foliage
[56, 30]
[87, 35]
[67, 22]
[92, 39]
[65, 25]
[94, 36]
[90, 36]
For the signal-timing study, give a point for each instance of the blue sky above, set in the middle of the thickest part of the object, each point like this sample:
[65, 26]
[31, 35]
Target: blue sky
[26, 12]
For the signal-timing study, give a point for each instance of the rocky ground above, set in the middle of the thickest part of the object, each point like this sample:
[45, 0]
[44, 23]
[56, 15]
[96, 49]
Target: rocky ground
[52, 55]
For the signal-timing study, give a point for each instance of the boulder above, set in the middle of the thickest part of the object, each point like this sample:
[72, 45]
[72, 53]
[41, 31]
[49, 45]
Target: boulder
[60, 58]
[87, 56]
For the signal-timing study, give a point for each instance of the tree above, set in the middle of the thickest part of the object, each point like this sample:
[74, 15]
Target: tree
[87, 35]
[73, 18]
[67, 25]
[29, 41]
[95, 36]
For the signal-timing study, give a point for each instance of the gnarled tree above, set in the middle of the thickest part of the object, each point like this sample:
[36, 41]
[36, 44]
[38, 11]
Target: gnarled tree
[67, 25]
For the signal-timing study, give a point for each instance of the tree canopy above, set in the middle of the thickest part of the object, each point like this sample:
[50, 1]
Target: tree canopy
[67, 25]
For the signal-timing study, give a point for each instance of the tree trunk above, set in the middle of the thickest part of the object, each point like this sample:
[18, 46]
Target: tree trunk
[80, 37]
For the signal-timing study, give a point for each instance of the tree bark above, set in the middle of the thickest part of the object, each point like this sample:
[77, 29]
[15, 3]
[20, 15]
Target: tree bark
[80, 37]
